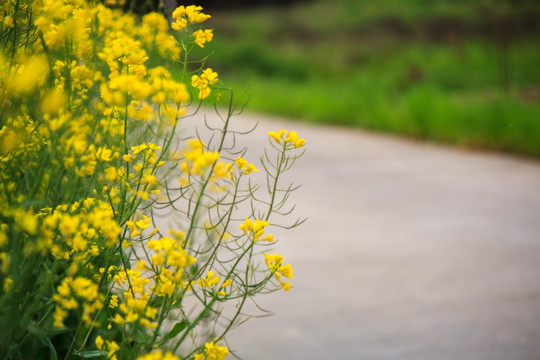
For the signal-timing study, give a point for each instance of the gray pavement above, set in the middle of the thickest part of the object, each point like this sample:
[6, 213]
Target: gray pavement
[411, 251]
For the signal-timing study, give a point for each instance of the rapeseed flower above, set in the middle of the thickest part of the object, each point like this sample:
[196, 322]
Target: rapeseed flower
[256, 229]
[183, 15]
[212, 352]
[274, 263]
[245, 165]
[158, 355]
[202, 37]
[209, 280]
[281, 137]
[87, 144]
[202, 82]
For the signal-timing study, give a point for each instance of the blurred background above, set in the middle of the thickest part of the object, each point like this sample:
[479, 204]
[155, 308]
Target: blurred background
[465, 72]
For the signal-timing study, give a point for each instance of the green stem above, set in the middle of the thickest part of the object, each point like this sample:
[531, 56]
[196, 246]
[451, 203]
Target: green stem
[274, 189]
[207, 180]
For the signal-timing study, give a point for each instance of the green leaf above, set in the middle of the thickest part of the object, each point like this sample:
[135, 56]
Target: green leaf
[140, 337]
[44, 340]
[177, 329]
[90, 354]
[194, 270]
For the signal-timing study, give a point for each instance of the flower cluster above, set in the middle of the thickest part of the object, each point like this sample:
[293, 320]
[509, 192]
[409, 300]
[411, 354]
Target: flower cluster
[282, 137]
[90, 160]
[183, 15]
[274, 264]
[75, 293]
[197, 159]
[209, 280]
[256, 229]
[158, 355]
[212, 352]
[245, 165]
[203, 82]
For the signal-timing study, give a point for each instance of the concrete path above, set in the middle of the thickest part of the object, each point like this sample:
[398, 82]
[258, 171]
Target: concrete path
[411, 251]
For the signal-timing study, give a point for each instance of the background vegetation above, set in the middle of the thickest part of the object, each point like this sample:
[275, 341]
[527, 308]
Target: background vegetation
[463, 72]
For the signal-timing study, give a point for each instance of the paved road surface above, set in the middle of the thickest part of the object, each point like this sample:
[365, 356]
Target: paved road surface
[411, 251]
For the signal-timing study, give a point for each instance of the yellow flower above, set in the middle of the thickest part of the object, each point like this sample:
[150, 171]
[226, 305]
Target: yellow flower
[28, 222]
[268, 238]
[110, 173]
[58, 317]
[31, 74]
[245, 165]
[286, 271]
[112, 348]
[77, 293]
[286, 285]
[196, 159]
[99, 342]
[187, 14]
[202, 82]
[240, 162]
[274, 264]
[7, 284]
[293, 138]
[210, 75]
[201, 37]
[113, 302]
[3, 239]
[105, 154]
[158, 259]
[131, 225]
[223, 170]
[53, 102]
[158, 355]
[215, 352]
[149, 179]
[141, 266]
[277, 136]
[255, 228]
[209, 280]
[134, 59]
[8, 21]
[250, 168]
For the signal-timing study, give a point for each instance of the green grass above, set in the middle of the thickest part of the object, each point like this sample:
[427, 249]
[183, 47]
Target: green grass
[344, 62]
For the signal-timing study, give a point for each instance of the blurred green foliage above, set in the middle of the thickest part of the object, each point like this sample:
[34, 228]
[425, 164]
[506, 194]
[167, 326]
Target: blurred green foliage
[464, 72]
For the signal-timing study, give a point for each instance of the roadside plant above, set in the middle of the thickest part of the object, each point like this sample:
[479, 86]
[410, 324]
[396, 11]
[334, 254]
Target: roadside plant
[93, 160]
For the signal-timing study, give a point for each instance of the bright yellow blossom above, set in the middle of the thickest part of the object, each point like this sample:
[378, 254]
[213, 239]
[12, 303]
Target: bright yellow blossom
[292, 137]
[208, 77]
[187, 14]
[245, 166]
[255, 229]
[212, 352]
[158, 355]
[99, 342]
[209, 280]
[203, 36]
[274, 263]
[82, 103]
